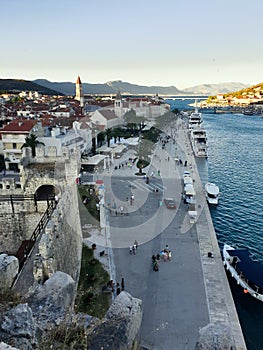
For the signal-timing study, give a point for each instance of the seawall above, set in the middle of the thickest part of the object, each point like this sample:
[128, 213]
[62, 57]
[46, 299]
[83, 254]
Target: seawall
[220, 302]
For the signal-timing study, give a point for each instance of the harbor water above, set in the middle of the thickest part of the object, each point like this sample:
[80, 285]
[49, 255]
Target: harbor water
[235, 160]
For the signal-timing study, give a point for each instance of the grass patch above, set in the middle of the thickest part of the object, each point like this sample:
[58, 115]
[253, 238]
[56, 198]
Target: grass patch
[93, 277]
[67, 335]
[89, 199]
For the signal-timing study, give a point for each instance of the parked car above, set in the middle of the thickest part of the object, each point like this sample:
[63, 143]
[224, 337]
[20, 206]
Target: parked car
[170, 203]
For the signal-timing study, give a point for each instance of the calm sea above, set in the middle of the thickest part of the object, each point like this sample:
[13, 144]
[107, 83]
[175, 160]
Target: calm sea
[235, 163]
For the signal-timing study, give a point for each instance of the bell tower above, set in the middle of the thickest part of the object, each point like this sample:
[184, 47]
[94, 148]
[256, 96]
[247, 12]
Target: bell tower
[79, 94]
[118, 105]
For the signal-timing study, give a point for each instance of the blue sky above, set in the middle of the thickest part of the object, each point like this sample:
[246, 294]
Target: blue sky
[169, 42]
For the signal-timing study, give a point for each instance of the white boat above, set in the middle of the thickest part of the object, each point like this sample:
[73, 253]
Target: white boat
[194, 120]
[199, 142]
[247, 272]
[211, 193]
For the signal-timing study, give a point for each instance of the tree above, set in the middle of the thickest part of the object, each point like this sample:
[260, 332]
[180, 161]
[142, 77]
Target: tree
[32, 142]
[117, 133]
[101, 138]
[108, 133]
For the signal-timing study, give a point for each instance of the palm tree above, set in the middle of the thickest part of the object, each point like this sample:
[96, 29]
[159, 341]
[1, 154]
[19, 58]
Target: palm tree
[100, 138]
[32, 142]
[108, 133]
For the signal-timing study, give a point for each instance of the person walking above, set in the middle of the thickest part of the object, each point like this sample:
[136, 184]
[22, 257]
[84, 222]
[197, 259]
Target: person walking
[134, 249]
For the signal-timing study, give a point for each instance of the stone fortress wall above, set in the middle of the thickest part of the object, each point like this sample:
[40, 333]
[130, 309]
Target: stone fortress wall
[61, 243]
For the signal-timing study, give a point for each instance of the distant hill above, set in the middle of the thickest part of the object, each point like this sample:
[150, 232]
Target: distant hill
[111, 87]
[214, 89]
[18, 85]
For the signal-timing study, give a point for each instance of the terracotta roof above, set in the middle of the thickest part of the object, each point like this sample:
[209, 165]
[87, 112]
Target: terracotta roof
[19, 126]
[107, 114]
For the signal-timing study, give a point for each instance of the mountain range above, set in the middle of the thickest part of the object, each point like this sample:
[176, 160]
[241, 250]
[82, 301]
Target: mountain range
[112, 87]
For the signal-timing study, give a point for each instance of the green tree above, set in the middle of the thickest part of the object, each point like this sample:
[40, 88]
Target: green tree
[32, 142]
[101, 138]
[108, 133]
[117, 133]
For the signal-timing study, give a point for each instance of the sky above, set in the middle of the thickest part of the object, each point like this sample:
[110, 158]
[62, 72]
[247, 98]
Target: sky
[154, 43]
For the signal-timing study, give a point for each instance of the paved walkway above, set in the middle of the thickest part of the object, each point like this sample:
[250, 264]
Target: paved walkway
[219, 301]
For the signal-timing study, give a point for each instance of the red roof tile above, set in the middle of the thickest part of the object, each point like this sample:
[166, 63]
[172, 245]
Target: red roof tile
[19, 126]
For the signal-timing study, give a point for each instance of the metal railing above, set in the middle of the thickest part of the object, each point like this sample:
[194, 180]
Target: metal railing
[26, 247]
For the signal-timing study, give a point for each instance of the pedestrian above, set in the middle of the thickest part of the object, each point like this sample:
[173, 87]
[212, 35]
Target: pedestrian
[136, 244]
[134, 249]
[131, 250]
[156, 191]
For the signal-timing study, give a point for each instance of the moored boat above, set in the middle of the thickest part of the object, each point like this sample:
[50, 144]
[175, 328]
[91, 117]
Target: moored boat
[211, 193]
[199, 142]
[247, 272]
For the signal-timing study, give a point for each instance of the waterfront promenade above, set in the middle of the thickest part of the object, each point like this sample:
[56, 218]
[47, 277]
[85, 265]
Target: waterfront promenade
[191, 290]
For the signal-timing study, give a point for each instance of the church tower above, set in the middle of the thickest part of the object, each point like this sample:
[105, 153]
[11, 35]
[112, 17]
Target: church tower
[118, 105]
[78, 89]
[79, 94]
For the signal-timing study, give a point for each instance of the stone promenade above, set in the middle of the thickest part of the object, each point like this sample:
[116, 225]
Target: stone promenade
[214, 291]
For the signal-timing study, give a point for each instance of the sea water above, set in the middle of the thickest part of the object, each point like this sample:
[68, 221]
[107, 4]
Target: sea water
[234, 163]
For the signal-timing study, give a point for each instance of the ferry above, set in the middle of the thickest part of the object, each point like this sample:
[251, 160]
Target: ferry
[247, 272]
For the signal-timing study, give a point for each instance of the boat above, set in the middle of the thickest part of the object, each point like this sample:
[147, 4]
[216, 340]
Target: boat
[247, 272]
[194, 120]
[211, 193]
[199, 142]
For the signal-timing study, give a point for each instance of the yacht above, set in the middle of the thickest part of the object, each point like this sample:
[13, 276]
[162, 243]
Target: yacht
[199, 142]
[194, 120]
[247, 272]
[211, 193]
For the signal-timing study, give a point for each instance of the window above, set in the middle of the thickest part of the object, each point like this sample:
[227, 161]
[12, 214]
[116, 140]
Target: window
[14, 145]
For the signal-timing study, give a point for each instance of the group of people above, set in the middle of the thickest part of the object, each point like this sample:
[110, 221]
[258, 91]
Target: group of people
[164, 254]
[133, 248]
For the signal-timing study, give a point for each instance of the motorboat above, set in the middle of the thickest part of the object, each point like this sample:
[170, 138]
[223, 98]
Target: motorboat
[247, 272]
[211, 193]
[199, 142]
